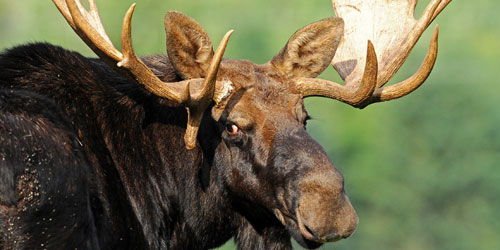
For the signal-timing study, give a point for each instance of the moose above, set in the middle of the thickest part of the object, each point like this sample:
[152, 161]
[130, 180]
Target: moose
[187, 150]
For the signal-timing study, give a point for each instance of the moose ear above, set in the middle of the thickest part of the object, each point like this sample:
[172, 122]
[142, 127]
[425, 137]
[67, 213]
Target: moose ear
[311, 49]
[188, 46]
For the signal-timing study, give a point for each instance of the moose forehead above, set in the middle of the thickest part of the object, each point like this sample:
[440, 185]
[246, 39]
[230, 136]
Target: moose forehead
[261, 90]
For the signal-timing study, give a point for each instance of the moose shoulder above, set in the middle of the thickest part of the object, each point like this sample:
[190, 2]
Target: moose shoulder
[176, 151]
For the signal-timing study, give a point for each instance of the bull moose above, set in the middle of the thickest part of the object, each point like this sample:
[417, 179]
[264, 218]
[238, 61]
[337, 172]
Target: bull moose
[186, 150]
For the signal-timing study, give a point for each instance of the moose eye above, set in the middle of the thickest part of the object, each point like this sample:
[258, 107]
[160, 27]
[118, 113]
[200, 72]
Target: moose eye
[232, 129]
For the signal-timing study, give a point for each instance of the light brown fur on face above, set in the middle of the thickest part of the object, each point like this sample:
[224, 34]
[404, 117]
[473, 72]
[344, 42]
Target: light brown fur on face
[307, 54]
[259, 89]
[265, 97]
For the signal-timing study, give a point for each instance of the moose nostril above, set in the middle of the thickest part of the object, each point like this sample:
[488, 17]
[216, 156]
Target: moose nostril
[310, 234]
[332, 237]
[320, 230]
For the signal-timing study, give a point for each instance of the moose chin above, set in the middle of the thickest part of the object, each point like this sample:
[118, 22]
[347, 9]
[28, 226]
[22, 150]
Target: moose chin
[187, 150]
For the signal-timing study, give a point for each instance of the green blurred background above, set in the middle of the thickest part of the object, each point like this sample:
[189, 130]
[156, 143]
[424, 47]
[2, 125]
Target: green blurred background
[423, 172]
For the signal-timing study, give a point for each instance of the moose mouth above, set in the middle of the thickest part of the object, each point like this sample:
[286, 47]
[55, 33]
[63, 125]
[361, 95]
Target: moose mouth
[299, 231]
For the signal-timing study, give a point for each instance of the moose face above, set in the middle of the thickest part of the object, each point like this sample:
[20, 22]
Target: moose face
[273, 165]
[272, 162]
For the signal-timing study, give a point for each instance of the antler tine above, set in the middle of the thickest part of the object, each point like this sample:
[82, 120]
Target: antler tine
[440, 8]
[409, 85]
[353, 93]
[87, 27]
[207, 92]
[198, 105]
[92, 16]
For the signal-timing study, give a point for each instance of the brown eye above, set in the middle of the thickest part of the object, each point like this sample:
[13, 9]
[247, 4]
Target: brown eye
[232, 129]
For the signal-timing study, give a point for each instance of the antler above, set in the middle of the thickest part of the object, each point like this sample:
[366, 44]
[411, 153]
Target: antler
[88, 26]
[390, 26]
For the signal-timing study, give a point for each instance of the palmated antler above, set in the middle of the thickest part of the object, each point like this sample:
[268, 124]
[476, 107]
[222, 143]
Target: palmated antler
[88, 26]
[391, 31]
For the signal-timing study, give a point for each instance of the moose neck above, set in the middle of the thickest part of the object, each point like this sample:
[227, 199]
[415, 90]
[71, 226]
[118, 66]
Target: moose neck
[162, 179]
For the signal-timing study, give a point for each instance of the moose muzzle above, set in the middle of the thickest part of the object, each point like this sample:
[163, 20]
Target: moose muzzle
[321, 211]
[324, 212]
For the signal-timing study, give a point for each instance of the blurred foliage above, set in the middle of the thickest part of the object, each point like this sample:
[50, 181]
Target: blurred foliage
[423, 171]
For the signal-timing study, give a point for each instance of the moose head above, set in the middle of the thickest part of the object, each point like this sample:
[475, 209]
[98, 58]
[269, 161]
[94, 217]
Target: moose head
[268, 158]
